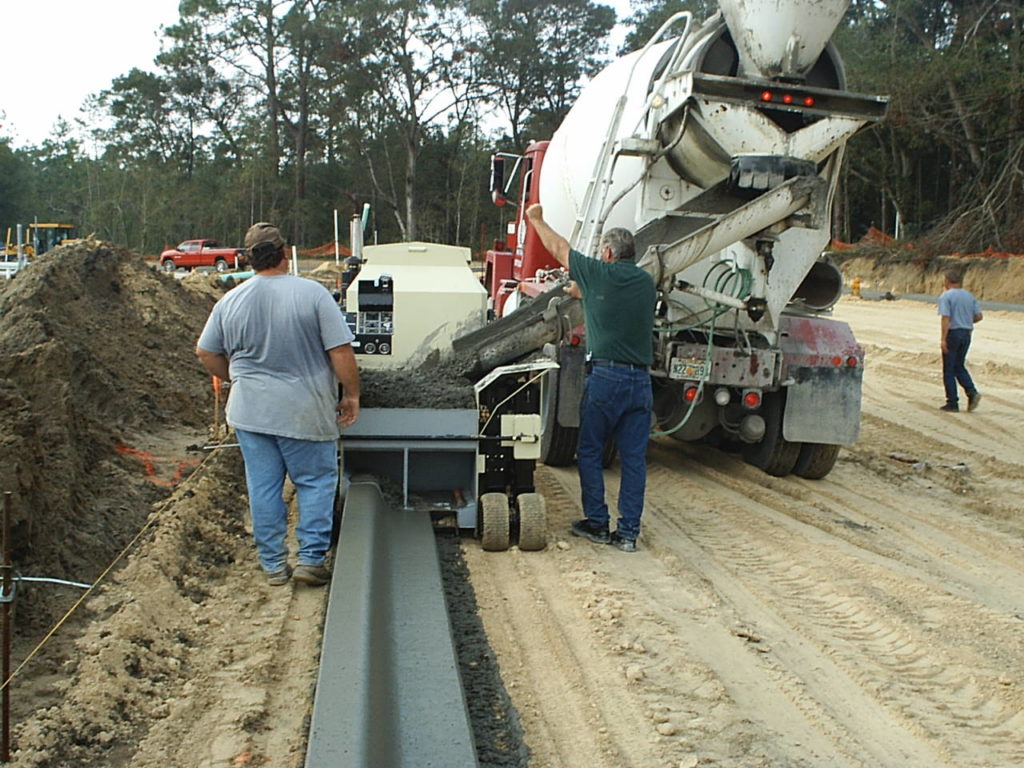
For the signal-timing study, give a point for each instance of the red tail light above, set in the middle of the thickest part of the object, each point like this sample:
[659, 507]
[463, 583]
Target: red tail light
[787, 98]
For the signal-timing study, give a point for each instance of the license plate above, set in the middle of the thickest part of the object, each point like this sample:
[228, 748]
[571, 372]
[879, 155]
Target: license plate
[692, 368]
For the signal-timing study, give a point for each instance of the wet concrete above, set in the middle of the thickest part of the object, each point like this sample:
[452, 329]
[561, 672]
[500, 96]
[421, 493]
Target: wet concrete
[495, 722]
[437, 383]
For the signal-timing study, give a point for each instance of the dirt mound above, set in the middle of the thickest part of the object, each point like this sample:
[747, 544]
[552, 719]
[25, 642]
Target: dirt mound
[96, 350]
[156, 630]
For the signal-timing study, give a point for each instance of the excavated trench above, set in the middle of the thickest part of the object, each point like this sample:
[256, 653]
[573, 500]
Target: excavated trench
[103, 409]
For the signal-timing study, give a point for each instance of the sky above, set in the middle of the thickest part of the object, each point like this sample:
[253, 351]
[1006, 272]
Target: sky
[58, 52]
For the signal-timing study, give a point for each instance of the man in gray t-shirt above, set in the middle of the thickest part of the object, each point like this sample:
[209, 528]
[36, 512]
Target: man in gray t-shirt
[283, 343]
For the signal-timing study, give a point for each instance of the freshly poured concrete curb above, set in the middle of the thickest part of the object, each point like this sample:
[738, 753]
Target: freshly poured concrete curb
[388, 692]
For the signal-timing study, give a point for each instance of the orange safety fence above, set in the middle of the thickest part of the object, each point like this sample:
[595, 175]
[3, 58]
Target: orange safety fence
[324, 251]
[876, 237]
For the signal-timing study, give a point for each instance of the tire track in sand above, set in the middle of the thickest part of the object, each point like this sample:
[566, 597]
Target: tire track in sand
[884, 663]
[533, 605]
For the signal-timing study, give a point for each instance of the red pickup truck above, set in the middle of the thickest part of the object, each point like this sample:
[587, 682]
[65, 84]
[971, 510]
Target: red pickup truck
[202, 253]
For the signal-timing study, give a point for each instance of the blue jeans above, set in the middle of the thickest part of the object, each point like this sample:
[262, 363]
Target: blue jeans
[954, 364]
[313, 467]
[616, 404]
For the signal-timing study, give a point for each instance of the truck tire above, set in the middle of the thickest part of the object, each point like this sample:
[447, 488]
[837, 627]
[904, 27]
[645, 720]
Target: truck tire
[494, 522]
[168, 265]
[533, 522]
[557, 443]
[815, 460]
[221, 265]
[774, 454]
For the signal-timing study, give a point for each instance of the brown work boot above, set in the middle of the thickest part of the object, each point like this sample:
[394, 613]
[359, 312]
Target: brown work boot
[279, 578]
[313, 575]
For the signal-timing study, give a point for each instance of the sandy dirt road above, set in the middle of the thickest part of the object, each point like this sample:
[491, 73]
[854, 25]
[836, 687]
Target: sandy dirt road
[874, 618]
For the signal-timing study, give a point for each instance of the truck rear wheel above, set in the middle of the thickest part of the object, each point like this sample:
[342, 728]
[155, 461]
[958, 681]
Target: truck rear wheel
[774, 454]
[815, 460]
[220, 265]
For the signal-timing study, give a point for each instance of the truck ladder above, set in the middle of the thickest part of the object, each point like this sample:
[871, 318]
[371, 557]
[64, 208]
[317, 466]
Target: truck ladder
[590, 219]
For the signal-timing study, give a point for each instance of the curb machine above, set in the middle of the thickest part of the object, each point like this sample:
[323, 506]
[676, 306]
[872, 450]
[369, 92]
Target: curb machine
[405, 302]
[720, 148]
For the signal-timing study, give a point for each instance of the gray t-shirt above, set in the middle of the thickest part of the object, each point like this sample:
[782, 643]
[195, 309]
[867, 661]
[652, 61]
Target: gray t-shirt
[276, 331]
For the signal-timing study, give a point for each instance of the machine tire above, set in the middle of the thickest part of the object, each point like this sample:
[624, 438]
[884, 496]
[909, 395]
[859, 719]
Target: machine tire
[533, 522]
[557, 443]
[168, 265]
[774, 454]
[494, 522]
[221, 265]
[815, 460]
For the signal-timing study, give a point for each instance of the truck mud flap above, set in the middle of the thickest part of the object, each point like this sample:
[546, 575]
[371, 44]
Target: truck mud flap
[823, 406]
[823, 370]
[570, 385]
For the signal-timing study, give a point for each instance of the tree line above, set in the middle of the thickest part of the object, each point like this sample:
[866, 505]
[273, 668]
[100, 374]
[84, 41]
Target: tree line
[287, 110]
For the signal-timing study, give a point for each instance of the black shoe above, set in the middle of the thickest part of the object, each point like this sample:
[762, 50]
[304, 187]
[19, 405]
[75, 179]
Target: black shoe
[950, 407]
[973, 400]
[596, 533]
[621, 542]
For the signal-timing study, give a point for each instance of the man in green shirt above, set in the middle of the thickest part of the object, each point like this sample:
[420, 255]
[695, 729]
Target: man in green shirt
[618, 311]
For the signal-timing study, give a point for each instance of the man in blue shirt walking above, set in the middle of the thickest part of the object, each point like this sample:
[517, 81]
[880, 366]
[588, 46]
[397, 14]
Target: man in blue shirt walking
[959, 311]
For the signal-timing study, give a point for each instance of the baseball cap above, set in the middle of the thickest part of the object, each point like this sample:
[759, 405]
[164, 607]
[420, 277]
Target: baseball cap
[263, 232]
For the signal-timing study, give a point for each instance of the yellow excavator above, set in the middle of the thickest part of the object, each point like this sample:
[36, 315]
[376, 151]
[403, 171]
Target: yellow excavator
[39, 238]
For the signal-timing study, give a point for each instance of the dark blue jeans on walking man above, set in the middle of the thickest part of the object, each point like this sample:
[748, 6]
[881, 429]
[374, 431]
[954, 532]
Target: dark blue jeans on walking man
[954, 364]
[616, 404]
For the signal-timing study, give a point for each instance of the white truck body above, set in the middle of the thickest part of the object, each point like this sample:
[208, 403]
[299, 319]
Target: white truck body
[719, 146]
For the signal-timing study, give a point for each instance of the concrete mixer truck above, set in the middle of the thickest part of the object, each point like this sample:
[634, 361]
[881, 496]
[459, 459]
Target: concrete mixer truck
[719, 145]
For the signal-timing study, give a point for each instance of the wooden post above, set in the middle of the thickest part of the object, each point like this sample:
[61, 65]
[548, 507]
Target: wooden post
[8, 597]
